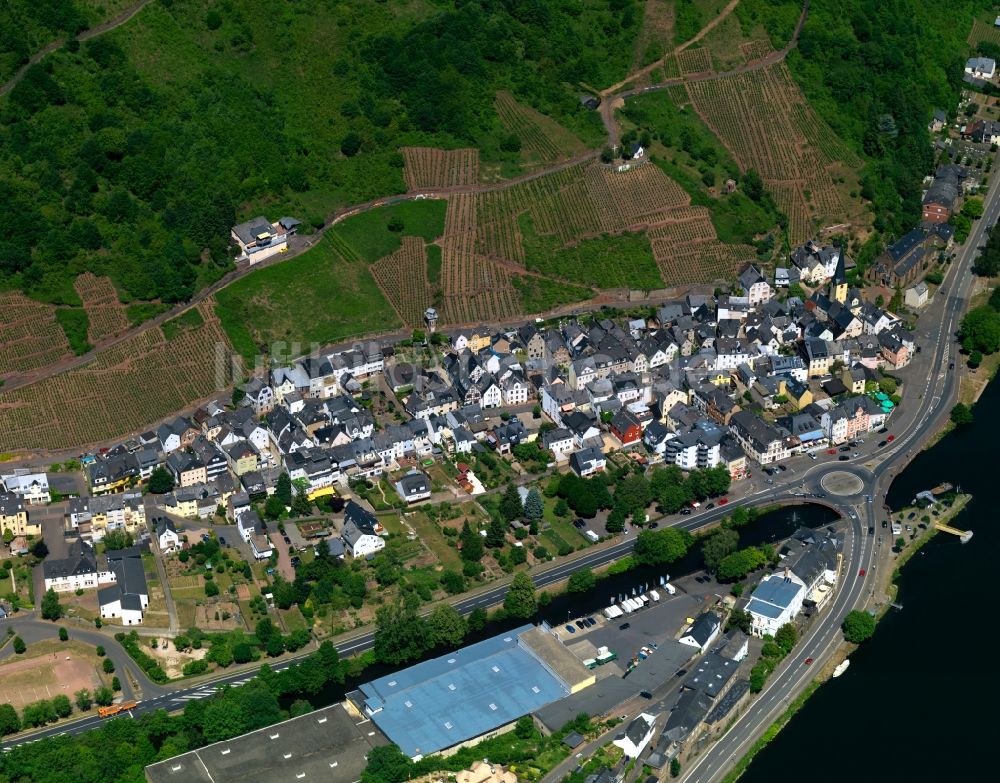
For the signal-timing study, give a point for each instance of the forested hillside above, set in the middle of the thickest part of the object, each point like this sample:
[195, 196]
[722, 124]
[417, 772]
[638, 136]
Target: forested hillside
[131, 154]
[876, 71]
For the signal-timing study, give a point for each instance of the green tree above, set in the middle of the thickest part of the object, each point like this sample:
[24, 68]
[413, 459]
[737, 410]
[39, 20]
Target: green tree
[900, 543]
[658, 547]
[786, 637]
[51, 609]
[161, 481]
[477, 619]
[103, 696]
[961, 414]
[211, 589]
[63, 635]
[118, 539]
[400, 634]
[980, 330]
[273, 507]
[525, 729]
[675, 767]
[39, 549]
[108, 665]
[739, 564]
[738, 618]
[38, 714]
[975, 359]
[62, 705]
[520, 601]
[858, 626]
[633, 493]
[10, 723]
[453, 582]
[510, 504]
[242, 653]
[283, 489]
[265, 630]
[84, 701]
[533, 506]
[561, 508]
[301, 507]
[496, 533]
[581, 581]
[19, 645]
[721, 543]
[101, 652]
[447, 626]
[472, 544]
[616, 520]
[387, 764]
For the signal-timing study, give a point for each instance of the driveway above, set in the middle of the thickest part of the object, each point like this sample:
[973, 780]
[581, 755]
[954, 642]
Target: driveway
[284, 559]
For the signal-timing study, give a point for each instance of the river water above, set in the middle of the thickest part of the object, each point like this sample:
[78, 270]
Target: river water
[915, 703]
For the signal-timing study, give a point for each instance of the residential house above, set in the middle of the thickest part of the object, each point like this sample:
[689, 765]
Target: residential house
[755, 286]
[14, 517]
[587, 462]
[128, 596]
[774, 602]
[94, 517]
[76, 571]
[166, 535]
[187, 468]
[703, 631]
[259, 238]
[32, 488]
[981, 67]
[559, 441]
[626, 428]
[636, 736]
[259, 396]
[761, 441]
[916, 296]
[359, 534]
[251, 529]
[414, 487]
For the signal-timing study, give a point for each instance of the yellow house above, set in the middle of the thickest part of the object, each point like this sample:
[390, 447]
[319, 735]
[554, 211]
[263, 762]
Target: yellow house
[799, 395]
[181, 504]
[320, 492]
[719, 377]
[242, 458]
[14, 517]
[479, 339]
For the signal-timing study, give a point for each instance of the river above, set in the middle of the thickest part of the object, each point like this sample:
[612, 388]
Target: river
[885, 718]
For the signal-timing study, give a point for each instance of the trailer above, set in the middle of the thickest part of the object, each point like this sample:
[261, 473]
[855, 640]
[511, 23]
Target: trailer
[626, 606]
[670, 588]
[654, 595]
[115, 709]
[590, 663]
[612, 612]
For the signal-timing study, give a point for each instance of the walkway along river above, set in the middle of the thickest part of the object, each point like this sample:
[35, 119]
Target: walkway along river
[917, 701]
[772, 526]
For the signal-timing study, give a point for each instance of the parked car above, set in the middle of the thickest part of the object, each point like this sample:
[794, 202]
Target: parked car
[844, 448]
[624, 626]
[891, 438]
[881, 443]
[685, 512]
[710, 505]
[287, 540]
[723, 501]
[831, 451]
[885, 524]
[843, 458]
[883, 431]
[782, 468]
[646, 694]
[654, 525]
[579, 524]
[571, 629]
[871, 530]
[581, 624]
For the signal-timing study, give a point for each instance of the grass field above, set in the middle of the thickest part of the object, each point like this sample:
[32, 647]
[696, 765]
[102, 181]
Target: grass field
[430, 534]
[624, 261]
[539, 294]
[369, 235]
[318, 297]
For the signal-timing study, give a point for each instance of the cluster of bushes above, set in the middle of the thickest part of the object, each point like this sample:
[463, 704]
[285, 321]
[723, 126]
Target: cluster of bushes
[771, 654]
[46, 711]
[153, 670]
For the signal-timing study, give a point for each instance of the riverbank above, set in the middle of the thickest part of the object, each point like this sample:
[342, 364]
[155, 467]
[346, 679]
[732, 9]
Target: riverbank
[888, 588]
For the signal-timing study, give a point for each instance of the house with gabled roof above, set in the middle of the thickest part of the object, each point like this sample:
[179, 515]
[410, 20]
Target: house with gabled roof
[359, 534]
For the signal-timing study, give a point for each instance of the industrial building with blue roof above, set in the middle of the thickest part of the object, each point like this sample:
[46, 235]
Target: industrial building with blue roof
[775, 601]
[447, 701]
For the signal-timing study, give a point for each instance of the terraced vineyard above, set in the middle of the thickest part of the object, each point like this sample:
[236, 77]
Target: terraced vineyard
[402, 277]
[428, 168]
[131, 385]
[543, 140]
[984, 31]
[30, 336]
[105, 312]
[764, 120]
[694, 60]
[688, 251]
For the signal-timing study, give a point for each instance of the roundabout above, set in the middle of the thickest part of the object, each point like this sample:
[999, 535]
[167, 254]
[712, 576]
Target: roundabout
[842, 484]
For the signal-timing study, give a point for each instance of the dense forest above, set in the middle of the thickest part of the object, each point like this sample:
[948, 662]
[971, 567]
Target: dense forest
[876, 71]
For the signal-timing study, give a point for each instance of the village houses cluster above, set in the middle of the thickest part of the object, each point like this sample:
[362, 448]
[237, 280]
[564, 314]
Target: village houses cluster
[703, 382]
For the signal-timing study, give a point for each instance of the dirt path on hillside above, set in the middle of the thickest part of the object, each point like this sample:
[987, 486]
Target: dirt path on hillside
[648, 69]
[93, 32]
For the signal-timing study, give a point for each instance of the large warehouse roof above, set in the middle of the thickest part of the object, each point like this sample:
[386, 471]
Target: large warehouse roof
[442, 702]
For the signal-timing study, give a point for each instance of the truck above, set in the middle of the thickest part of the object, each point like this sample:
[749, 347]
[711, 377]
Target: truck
[592, 536]
[115, 709]
[670, 588]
